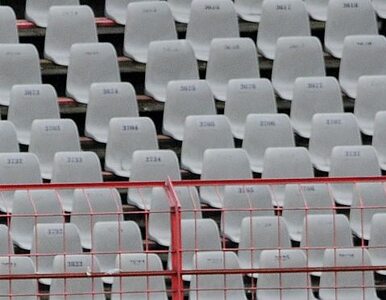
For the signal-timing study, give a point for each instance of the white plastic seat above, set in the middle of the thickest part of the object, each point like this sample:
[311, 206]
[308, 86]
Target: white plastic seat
[159, 216]
[321, 232]
[353, 285]
[90, 63]
[37, 10]
[185, 98]
[139, 287]
[180, 10]
[249, 10]
[348, 161]
[258, 234]
[277, 165]
[146, 22]
[368, 199]
[49, 240]
[263, 131]
[8, 27]
[8, 137]
[216, 286]
[369, 54]
[302, 200]
[25, 289]
[296, 57]
[85, 288]
[151, 165]
[20, 65]
[168, 60]
[30, 208]
[49, 136]
[348, 18]
[94, 205]
[377, 241]
[329, 130]
[379, 138]
[370, 91]
[29, 102]
[6, 245]
[313, 95]
[112, 238]
[17, 168]
[201, 133]
[210, 19]
[116, 9]
[125, 136]
[241, 202]
[293, 18]
[74, 166]
[284, 285]
[246, 96]
[230, 58]
[317, 9]
[222, 164]
[67, 25]
[107, 101]
[380, 8]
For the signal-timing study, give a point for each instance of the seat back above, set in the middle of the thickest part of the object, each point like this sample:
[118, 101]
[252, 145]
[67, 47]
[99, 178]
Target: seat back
[8, 27]
[8, 136]
[116, 9]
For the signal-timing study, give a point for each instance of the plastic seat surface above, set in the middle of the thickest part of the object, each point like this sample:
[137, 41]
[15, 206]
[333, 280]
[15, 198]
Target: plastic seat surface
[317, 9]
[8, 27]
[116, 9]
[8, 137]
[180, 10]
[379, 138]
[249, 10]
[377, 241]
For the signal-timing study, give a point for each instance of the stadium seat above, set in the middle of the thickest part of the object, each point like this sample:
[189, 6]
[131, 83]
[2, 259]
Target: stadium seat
[151, 165]
[49, 136]
[29, 102]
[370, 91]
[258, 234]
[263, 131]
[246, 96]
[379, 138]
[347, 285]
[293, 18]
[222, 164]
[8, 27]
[369, 54]
[302, 200]
[139, 287]
[30, 208]
[329, 130]
[313, 95]
[296, 57]
[37, 10]
[185, 98]
[20, 65]
[75, 166]
[348, 161]
[159, 216]
[368, 199]
[94, 205]
[377, 241]
[168, 60]
[210, 19]
[125, 136]
[111, 238]
[249, 10]
[284, 285]
[243, 201]
[277, 165]
[6, 245]
[348, 18]
[317, 9]
[321, 232]
[107, 101]
[201, 133]
[146, 22]
[116, 9]
[87, 288]
[90, 63]
[380, 8]
[68, 25]
[180, 10]
[216, 286]
[49, 240]
[8, 137]
[17, 168]
[230, 58]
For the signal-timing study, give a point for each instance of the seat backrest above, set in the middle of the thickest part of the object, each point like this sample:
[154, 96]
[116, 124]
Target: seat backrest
[8, 136]
[67, 25]
[6, 245]
[249, 10]
[108, 100]
[317, 9]
[185, 98]
[116, 9]
[125, 136]
[180, 10]
[29, 102]
[380, 8]
[377, 241]
[379, 137]
[8, 27]
[294, 21]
